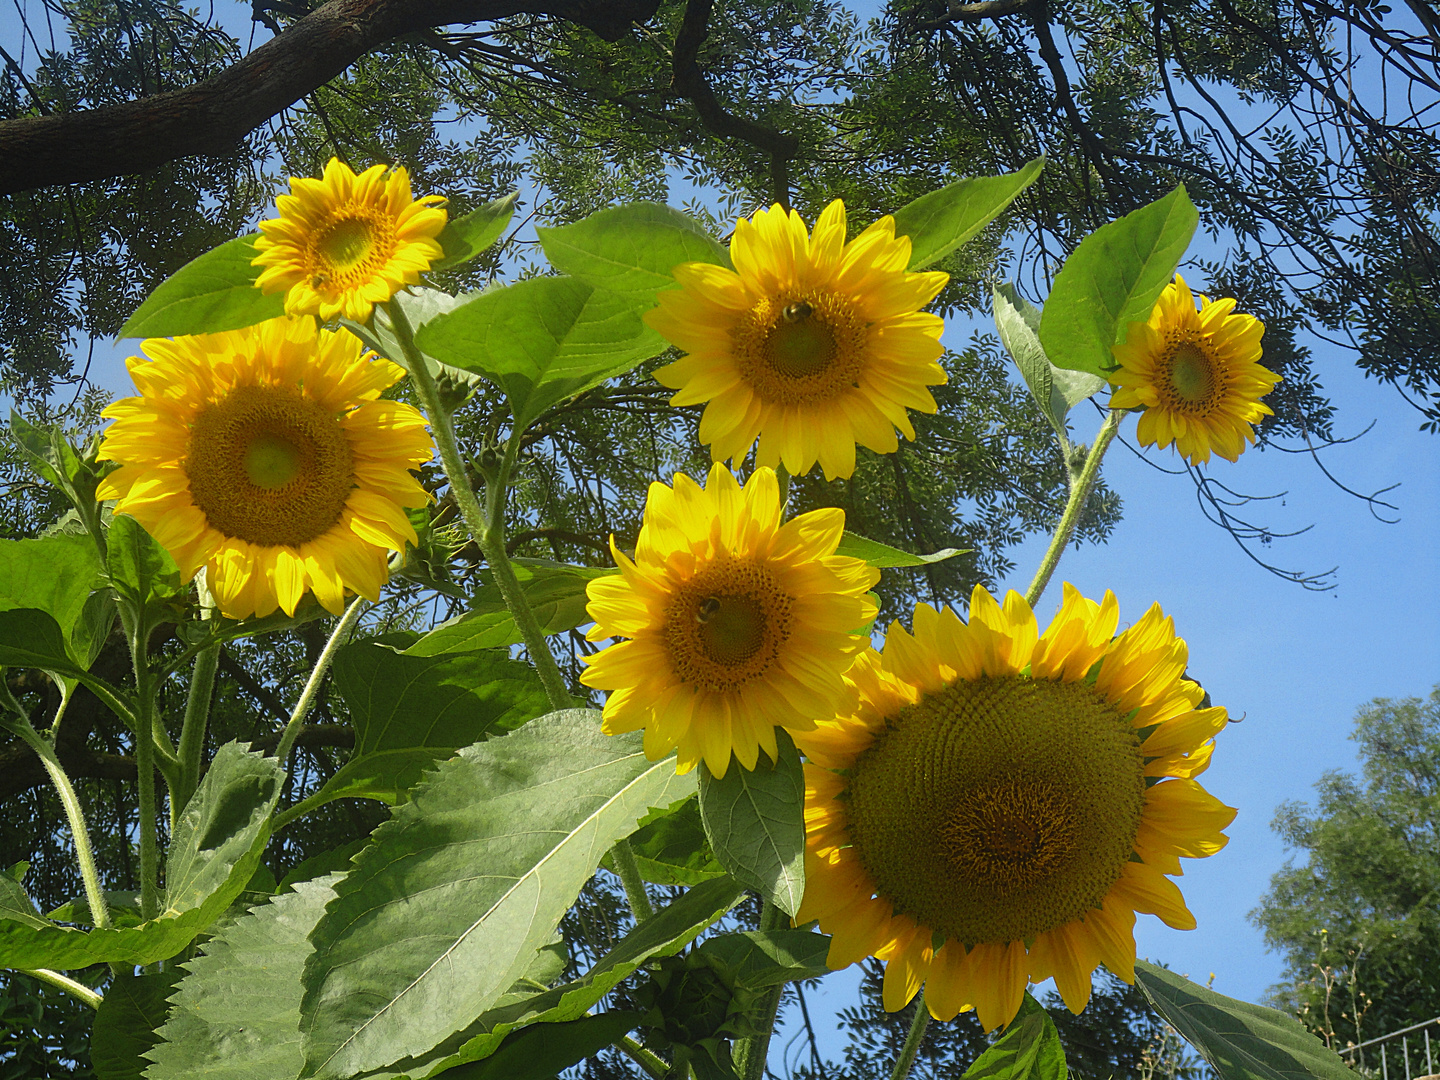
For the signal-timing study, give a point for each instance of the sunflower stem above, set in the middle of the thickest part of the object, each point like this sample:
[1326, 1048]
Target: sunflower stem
[145, 769]
[1079, 495]
[906, 1060]
[197, 715]
[70, 800]
[752, 1051]
[317, 677]
[64, 982]
[486, 524]
[653, 1065]
[628, 871]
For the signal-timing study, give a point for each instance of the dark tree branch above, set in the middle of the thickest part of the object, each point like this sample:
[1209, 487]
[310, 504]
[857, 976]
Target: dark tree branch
[211, 116]
[565, 536]
[978, 12]
[689, 80]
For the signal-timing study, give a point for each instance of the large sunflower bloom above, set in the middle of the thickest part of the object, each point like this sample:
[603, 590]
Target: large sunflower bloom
[1196, 374]
[264, 455]
[344, 243]
[994, 806]
[738, 623]
[810, 344]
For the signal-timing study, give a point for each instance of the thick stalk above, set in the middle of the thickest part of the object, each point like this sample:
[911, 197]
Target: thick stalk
[64, 982]
[145, 779]
[317, 677]
[1079, 493]
[197, 714]
[654, 1066]
[912, 1040]
[628, 871]
[752, 1051]
[74, 812]
[488, 530]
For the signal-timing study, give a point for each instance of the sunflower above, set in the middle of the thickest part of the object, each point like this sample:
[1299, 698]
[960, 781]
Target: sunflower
[737, 623]
[344, 243]
[810, 344]
[265, 456]
[993, 807]
[1196, 374]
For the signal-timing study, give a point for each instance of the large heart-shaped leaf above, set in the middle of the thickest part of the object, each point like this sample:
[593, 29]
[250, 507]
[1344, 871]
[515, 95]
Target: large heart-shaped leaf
[630, 249]
[940, 221]
[127, 1023]
[444, 910]
[55, 575]
[208, 294]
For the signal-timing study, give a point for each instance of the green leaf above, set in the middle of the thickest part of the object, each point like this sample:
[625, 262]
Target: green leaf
[769, 957]
[47, 452]
[555, 592]
[1055, 390]
[236, 1015]
[420, 305]
[124, 909]
[1240, 1041]
[671, 848]
[881, 555]
[754, 819]
[446, 908]
[630, 249]
[140, 569]
[1112, 279]
[412, 711]
[221, 832]
[211, 293]
[542, 340]
[334, 861]
[1029, 1050]
[540, 1053]
[127, 1024]
[465, 237]
[939, 222]
[32, 638]
[665, 933]
[56, 575]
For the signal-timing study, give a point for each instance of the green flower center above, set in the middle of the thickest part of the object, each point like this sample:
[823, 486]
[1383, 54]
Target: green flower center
[1192, 373]
[347, 242]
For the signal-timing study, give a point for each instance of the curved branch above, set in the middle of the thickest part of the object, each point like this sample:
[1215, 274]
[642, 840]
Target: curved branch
[956, 11]
[213, 115]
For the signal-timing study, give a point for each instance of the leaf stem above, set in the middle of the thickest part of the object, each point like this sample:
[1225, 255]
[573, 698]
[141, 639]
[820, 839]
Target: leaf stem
[651, 1063]
[752, 1051]
[64, 982]
[1079, 494]
[317, 677]
[486, 524]
[908, 1051]
[628, 871]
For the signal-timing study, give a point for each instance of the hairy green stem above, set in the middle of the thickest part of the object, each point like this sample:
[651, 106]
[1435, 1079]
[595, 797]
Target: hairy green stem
[751, 1051]
[64, 982]
[486, 524]
[628, 870]
[317, 677]
[653, 1065]
[192, 731]
[918, 1025]
[1079, 493]
[145, 723]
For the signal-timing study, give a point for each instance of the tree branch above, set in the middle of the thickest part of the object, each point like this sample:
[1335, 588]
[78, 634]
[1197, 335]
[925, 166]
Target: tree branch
[213, 115]
[689, 80]
[977, 12]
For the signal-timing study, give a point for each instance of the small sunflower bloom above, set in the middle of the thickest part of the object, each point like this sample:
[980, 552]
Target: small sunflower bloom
[344, 243]
[738, 622]
[1196, 374]
[994, 805]
[266, 456]
[810, 345]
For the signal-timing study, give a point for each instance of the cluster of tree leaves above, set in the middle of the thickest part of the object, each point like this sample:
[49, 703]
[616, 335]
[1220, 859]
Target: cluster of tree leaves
[1356, 921]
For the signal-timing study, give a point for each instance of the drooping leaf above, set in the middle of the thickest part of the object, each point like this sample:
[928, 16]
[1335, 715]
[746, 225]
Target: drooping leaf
[671, 848]
[941, 221]
[54, 574]
[128, 1022]
[555, 592]
[769, 957]
[221, 832]
[1029, 1050]
[1112, 279]
[1055, 390]
[465, 237]
[665, 933]
[542, 340]
[32, 638]
[47, 452]
[1240, 1041]
[630, 249]
[213, 292]
[883, 555]
[412, 711]
[543, 1052]
[444, 910]
[236, 1015]
[754, 819]
[140, 568]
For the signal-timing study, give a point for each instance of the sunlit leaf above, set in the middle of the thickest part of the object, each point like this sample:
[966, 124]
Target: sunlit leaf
[883, 555]
[1055, 390]
[630, 249]
[465, 237]
[940, 221]
[213, 292]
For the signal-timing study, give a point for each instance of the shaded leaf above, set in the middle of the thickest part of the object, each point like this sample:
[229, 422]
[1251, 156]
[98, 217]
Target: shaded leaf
[465, 237]
[769, 957]
[940, 221]
[671, 848]
[1055, 390]
[213, 292]
[754, 819]
[32, 638]
[1240, 1041]
[54, 574]
[446, 908]
[630, 249]
[1112, 279]
[47, 452]
[127, 1024]
[881, 555]
[1029, 1050]
[539, 1053]
[140, 568]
